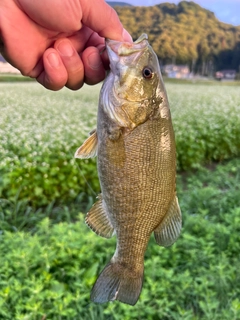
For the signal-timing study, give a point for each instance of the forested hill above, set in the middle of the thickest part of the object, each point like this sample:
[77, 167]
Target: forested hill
[185, 33]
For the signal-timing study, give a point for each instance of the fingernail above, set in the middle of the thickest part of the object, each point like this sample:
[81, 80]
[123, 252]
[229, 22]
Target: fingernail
[65, 49]
[53, 60]
[126, 36]
[94, 61]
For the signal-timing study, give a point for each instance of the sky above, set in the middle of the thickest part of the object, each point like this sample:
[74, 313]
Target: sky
[227, 11]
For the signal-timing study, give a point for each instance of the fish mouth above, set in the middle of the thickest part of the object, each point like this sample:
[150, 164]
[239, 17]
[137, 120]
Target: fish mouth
[117, 49]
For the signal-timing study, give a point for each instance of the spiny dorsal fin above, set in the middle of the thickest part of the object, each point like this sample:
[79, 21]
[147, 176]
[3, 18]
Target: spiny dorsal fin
[169, 229]
[89, 147]
[97, 219]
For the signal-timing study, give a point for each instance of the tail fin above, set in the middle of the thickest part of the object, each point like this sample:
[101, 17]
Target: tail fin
[117, 282]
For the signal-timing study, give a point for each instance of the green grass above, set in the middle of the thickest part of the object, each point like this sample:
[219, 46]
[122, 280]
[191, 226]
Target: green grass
[14, 78]
[201, 81]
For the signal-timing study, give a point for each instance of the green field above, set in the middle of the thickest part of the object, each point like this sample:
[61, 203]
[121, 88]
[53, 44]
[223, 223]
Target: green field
[50, 259]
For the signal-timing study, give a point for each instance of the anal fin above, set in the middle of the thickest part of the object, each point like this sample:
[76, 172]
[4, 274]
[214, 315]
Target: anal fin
[169, 229]
[97, 219]
[89, 148]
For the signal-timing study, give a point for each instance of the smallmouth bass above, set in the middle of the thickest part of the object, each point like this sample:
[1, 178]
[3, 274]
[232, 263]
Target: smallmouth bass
[135, 146]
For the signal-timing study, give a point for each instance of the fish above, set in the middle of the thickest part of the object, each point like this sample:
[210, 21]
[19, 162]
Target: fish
[136, 160]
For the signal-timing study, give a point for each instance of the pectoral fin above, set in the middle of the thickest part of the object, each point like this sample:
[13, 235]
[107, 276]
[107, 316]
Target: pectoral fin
[97, 219]
[89, 148]
[170, 227]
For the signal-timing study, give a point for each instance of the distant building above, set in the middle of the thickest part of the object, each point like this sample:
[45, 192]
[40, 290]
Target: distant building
[226, 75]
[176, 71]
[6, 67]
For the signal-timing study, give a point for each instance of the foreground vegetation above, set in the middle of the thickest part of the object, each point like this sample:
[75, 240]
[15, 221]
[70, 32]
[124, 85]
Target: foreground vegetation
[50, 259]
[50, 273]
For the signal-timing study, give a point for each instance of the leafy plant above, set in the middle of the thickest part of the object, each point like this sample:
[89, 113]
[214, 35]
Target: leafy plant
[48, 274]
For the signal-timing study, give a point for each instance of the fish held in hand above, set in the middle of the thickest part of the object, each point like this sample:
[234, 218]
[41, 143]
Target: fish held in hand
[134, 143]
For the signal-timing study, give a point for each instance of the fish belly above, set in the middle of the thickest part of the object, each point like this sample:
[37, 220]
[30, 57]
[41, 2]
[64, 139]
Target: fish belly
[137, 177]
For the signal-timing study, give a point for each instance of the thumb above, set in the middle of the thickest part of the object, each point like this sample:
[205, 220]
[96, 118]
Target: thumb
[55, 15]
[103, 19]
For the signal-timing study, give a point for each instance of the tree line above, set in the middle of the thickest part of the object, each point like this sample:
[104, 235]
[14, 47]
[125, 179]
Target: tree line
[185, 34]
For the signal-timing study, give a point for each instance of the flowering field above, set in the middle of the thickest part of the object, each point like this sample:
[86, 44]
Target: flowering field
[207, 123]
[50, 259]
[40, 131]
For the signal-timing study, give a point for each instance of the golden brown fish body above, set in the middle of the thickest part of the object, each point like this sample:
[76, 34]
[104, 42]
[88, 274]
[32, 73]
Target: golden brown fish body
[135, 145]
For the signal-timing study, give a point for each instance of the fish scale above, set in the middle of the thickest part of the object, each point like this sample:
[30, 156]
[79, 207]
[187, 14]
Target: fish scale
[134, 143]
[135, 173]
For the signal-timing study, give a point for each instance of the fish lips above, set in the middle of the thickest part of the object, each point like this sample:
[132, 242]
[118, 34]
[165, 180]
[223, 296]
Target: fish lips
[117, 50]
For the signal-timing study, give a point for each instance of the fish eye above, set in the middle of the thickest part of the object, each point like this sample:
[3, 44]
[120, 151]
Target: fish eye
[147, 73]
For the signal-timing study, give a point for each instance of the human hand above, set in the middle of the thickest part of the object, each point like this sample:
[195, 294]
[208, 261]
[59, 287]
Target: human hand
[58, 42]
